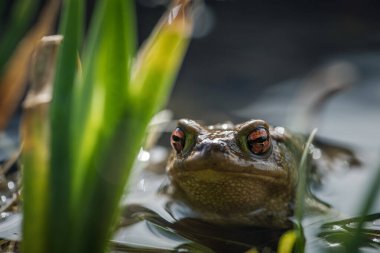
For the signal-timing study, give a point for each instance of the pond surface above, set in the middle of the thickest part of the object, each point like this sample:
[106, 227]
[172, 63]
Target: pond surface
[152, 222]
[254, 61]
[350, 118]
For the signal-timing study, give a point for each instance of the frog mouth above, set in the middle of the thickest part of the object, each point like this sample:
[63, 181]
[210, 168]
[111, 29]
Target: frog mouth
[216, 174]
[224, 164]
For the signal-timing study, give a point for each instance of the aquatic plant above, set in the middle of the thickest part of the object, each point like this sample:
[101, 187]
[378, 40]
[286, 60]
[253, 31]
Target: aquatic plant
[77, 154]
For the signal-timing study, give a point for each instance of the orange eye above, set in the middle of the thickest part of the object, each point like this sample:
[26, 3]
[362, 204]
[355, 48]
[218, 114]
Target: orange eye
[259, 141]
[177, 140]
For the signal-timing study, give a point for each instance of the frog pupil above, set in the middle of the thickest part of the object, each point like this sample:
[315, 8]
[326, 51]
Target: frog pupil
[259, 140]
[178, 140]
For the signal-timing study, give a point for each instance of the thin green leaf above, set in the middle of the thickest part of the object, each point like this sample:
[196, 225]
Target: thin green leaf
[158, 62]
[373, 190]
[60, 114]
[35, 156]
[302, 179]
[112, 148]
[303, 171]
[97, 126]
[101, 95]
[100, 105]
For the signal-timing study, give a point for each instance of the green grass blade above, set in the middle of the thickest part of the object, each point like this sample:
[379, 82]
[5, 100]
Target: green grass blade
[373, 190]
[100, 105]
[101, 96]
[98, 125]
[113, 146]
[35, 156]
[302, 179]
[158, 62]
[301, 193]
[60, 114]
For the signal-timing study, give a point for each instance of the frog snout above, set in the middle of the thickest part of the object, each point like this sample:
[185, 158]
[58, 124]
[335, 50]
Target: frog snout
[211, 147]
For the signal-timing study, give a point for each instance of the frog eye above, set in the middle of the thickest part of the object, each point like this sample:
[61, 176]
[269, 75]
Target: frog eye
[177, 140]
[259, 141]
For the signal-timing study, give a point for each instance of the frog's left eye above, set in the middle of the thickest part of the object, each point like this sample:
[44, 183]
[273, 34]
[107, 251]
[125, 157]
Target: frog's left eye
[259, 141]
[177, 140]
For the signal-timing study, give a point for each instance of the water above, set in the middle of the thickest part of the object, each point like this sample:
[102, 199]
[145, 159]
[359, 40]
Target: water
[153, 221]
[350, 119]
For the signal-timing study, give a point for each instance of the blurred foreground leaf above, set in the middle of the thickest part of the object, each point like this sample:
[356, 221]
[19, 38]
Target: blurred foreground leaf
[14, 70]
[118, 108]
[102, 140]
[35, 134]
[58, 213]
[344, 232]
[369, 200]
[287, 242]
[301, 194]
[98, 121]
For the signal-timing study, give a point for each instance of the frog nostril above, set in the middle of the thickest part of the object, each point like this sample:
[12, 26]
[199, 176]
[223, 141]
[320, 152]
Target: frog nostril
[200, 147]
[207, 148]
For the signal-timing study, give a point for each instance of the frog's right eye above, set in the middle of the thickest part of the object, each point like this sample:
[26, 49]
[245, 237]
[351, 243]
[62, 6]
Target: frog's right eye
[177, 140]
[259, 141]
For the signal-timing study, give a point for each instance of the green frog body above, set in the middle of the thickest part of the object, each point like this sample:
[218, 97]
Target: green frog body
[236, 174]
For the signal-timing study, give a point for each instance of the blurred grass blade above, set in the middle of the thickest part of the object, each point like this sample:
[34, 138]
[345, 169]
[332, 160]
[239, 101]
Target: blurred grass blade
[97, 126]
[100, 105]
[12, 82]
[101, 95]
[106, 95]
[60, 122]
[302, 179]
[373, 190]
[158, 62]
[35, 154]
[301, 193]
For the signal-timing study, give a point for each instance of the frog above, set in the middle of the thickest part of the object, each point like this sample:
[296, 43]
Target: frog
[243, 174]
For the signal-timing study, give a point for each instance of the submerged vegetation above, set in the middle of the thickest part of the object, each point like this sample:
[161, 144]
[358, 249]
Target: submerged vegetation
[86, 116]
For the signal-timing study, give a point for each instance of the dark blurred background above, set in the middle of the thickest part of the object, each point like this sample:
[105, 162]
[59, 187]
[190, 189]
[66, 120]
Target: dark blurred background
[242, 48]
